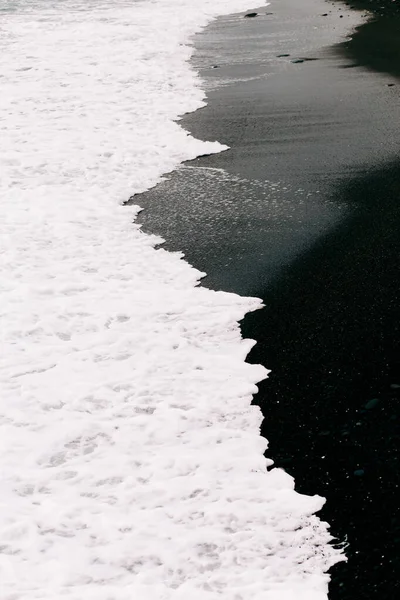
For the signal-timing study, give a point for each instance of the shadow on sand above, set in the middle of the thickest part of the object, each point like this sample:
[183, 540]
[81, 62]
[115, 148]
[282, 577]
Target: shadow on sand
[330, 332]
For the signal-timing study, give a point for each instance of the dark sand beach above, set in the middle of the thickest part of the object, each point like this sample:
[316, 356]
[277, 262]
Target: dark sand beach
[304, 212]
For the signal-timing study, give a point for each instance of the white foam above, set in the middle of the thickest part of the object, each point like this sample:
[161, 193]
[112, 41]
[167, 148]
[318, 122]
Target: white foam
[132, 465]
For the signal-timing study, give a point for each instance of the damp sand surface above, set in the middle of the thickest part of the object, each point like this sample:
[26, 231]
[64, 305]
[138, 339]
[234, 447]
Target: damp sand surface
[303, 211]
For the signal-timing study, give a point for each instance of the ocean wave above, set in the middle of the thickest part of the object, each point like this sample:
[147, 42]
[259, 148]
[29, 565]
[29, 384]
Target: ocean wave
[132, 465]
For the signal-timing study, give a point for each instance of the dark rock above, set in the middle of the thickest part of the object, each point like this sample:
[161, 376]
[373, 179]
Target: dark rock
[250, 15]
[324, 15]
[282, 55]
[295, 61]
[390, 84]
[215, 67]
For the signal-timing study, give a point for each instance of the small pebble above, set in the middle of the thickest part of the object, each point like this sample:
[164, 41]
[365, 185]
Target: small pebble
[359, 472]
[372, 403]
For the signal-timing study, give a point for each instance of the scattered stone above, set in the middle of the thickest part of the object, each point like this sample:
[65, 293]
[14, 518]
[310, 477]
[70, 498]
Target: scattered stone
[372, 403]
[359, 472]
[250, 15]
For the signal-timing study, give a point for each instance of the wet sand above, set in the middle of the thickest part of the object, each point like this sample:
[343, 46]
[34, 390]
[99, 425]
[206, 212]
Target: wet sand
[304, 211]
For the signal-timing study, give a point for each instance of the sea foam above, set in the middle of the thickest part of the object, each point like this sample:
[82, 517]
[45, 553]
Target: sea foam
[132, 465]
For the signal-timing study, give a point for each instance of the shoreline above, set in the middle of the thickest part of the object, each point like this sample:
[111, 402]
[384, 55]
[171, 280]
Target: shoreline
[131, 457]
[184, 220]
[330, 327]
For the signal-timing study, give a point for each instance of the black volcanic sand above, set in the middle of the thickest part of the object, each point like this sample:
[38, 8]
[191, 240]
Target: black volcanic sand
[376, 44]
[304, 211]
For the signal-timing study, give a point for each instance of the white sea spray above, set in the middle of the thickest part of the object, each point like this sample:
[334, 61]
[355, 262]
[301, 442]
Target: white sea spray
[132, 465]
